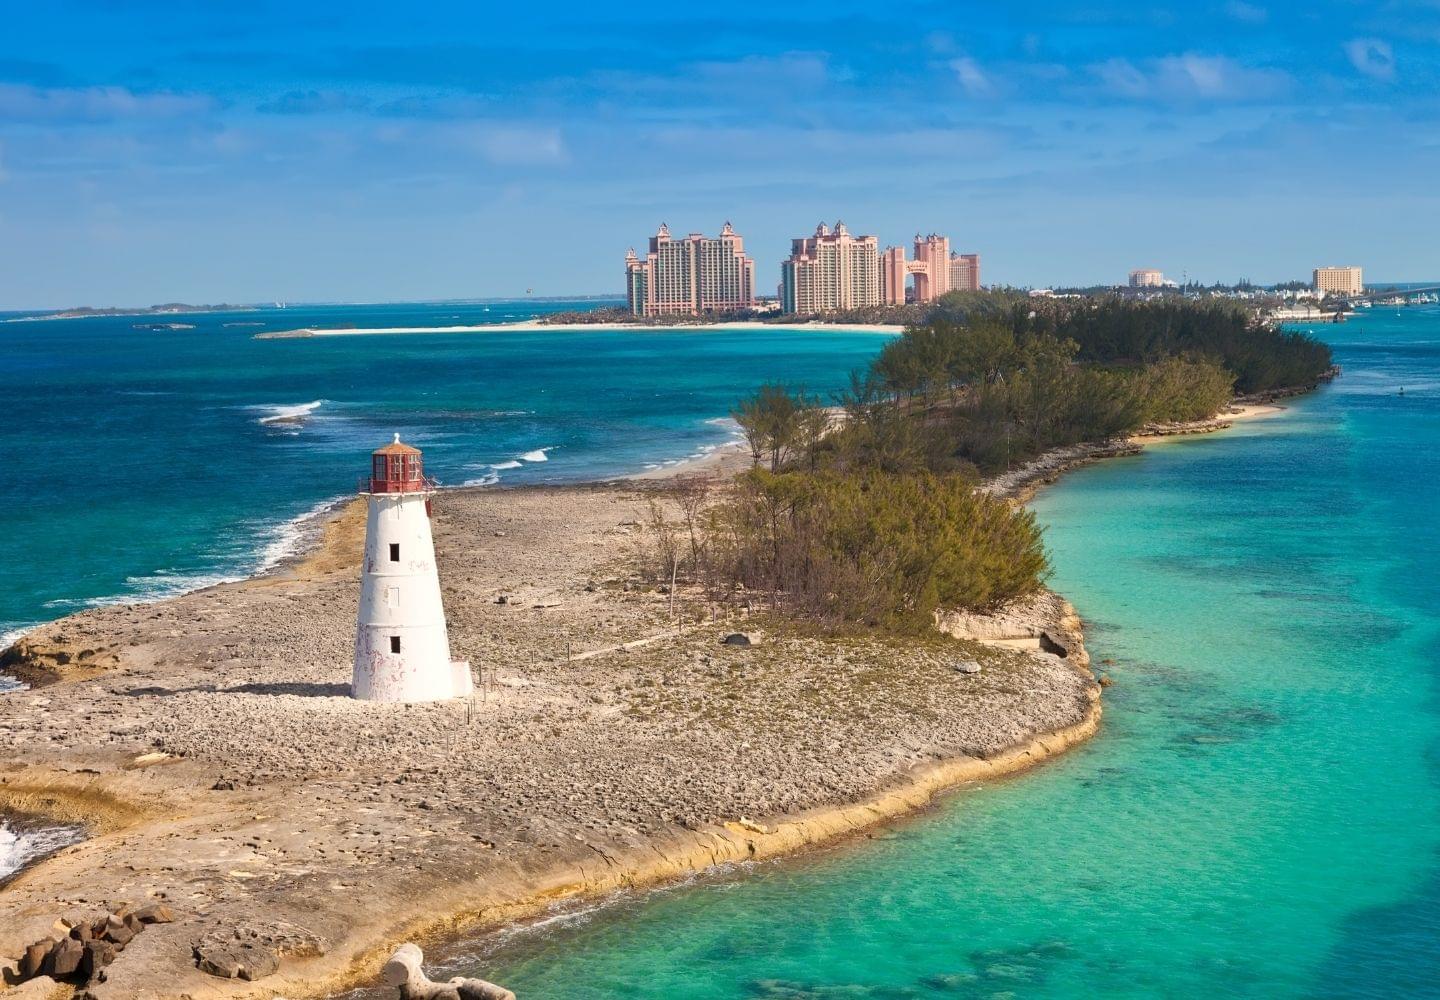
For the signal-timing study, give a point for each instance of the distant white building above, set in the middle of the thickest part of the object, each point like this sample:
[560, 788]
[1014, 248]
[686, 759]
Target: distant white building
[1147, 277]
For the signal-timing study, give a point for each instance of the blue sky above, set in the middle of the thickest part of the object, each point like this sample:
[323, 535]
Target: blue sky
[361, 151]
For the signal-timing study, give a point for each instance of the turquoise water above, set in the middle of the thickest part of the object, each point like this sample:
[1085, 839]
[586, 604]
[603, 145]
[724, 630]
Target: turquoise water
[147, 462]
[1258, 817]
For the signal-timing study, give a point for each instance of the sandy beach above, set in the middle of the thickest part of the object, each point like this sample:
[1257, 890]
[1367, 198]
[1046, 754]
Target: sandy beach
[535, 326]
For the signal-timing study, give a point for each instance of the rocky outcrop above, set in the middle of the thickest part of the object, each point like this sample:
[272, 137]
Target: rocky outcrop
[84, 946]
[50, 655]
[1041, 623]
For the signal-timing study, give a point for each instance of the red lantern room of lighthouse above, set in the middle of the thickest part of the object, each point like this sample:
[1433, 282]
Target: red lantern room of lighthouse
[396, 468]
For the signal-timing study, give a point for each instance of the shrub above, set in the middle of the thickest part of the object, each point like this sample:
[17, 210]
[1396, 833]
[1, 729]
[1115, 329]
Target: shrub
[875, 548]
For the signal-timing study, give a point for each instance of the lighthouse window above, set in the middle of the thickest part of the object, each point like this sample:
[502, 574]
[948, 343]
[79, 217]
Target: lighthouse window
[394, 644]
[394, 551]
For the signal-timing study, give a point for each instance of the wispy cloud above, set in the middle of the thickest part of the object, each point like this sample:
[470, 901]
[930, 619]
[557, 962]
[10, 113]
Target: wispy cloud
[517, 145]
[1372, 56]
[61, 105]
[973, 80]
[1189, 77]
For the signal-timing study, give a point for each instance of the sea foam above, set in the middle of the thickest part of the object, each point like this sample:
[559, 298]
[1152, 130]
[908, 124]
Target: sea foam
[288, 414]
[20, 847]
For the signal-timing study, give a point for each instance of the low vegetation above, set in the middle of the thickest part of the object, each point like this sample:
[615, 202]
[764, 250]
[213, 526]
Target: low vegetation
[865, 512]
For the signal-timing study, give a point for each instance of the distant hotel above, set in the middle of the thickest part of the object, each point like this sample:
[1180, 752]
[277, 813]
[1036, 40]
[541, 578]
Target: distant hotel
[1339, 281]
[1146, 277]
[689, 276]
[833, 271]
[830, 271]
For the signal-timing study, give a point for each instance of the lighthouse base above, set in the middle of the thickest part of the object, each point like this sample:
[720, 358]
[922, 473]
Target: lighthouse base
[384, 681]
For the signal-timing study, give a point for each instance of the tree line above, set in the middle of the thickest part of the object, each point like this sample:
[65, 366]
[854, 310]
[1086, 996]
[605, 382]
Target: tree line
[863, 510]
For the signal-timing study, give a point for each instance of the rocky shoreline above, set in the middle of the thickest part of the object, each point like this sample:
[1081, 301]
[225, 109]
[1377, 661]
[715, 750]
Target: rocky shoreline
[208, 744]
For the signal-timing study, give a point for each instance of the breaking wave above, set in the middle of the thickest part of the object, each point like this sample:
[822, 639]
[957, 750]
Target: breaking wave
[287, 415]
[538, 455]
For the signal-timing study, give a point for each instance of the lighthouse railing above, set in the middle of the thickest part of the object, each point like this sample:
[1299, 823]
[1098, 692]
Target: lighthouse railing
[425, 484]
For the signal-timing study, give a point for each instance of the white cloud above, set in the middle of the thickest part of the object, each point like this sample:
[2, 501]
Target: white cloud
[975, 81]
[1189, 77]
[1372, 56]
[19, 102]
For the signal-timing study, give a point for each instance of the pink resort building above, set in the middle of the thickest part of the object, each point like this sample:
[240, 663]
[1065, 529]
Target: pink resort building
[936, 270]
[830, 271]
[964, 272]
[689, 276]
[833, 270]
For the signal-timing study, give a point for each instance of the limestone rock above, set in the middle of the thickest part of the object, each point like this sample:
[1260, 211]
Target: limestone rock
[39, 988]
[96, 955]
[236, 960]
[967, 667]
[65, 958]
[155, 913]
[34, 957]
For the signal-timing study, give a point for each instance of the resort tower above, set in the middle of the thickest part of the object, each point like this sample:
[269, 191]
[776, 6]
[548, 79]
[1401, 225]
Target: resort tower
[402, 647]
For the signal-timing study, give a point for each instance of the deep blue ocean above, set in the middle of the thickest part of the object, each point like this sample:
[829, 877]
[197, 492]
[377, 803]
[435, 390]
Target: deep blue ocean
[146, 462]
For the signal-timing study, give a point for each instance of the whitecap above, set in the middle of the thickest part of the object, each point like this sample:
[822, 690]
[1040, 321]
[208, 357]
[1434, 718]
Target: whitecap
[288, 415]
[512, 464]
[538, 455]
[489, 479]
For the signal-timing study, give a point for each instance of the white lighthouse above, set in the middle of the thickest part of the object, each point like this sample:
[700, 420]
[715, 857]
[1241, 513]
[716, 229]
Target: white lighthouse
[402, 648]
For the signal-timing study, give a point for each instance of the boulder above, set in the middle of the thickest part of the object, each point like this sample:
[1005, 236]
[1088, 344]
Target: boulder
[237, 960]
[96, 956]
[155, 913]
[967, 667]
[65, 958]
[117, 932]
[34, 958]
[739, 639]
[221, 962]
